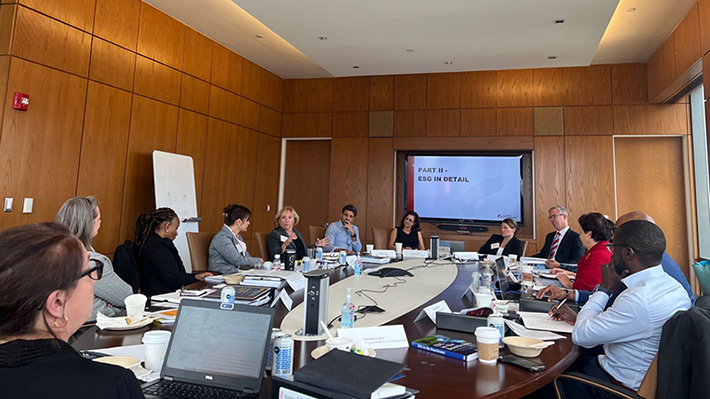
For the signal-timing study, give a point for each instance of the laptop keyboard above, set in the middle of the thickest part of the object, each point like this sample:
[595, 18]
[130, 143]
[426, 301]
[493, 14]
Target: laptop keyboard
[192, 391]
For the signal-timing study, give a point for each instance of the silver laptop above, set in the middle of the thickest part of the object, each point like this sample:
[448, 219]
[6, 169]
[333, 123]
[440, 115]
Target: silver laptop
[215, 351]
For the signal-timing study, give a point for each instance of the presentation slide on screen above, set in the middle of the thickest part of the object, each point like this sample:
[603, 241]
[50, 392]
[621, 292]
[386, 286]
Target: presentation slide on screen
[464, 187]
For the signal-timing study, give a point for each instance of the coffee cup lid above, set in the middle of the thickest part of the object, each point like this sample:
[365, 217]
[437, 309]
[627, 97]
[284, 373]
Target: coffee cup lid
[155, 337]
[487, 332]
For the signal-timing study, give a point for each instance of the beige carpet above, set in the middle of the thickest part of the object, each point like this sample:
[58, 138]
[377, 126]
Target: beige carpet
[427, 283]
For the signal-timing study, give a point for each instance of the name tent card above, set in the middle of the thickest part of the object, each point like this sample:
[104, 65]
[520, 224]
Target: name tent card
[383, 337]
[431, 310]
[283, 296]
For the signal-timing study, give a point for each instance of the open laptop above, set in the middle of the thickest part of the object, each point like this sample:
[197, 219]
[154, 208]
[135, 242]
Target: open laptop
[505, 290]
[215, 352]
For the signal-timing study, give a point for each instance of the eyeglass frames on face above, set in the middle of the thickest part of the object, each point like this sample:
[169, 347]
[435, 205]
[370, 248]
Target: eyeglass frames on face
[95, 272]
[610, 246]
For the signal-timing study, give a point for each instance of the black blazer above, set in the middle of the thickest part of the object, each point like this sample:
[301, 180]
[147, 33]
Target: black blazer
[161, 268]
[515, 246]
[570, 249]
[274, 244]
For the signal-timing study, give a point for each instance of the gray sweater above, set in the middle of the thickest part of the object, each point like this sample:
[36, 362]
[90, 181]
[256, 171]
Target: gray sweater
[224, 256]
[109, 291]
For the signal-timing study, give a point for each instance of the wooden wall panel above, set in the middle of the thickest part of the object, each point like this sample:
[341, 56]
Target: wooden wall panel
[269, 121]
[117, 21]
[247, 149]
[479, 122]
[103, 157]
[586, 121]
[409, 123]
[657, 188]
[156, 81]
[629, 84]
[39, 149]
[272, 90]
[267, 183]
[4, 97]
[655, 74]
[409, 92]
[589, 174]
[351, 94]
[224, 105]
[251, 81]
[112, 65]
[549, 121]
[226, 69]
[348, 179]
[549, 87]
[704, 17]
[668, 72]
[194, 94]
[380, 186]
[443, 123]
[77, 13]
[8, 14]
[192, 141]
[443, 90]
[588, 85]
[515, 122]
[381, 124]
[197, 59]
[48, 42]
[160, 37]
[381, 93]
[308, 95]
[220, 183]
[153, 127]
[687, 41]
[651, 119]
[308, 158]
[249, 115]
[479, 89]
[515, 88]
[350, 124]
[550, 188]
[307, 125]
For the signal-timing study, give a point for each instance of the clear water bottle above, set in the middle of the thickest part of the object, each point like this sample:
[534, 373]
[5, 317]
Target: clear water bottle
[475, 281]
[277, 262]
[358, 266]
[487, 278]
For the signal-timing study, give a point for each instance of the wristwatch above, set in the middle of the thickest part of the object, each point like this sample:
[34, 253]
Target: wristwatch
[601, 288]
[353, 235]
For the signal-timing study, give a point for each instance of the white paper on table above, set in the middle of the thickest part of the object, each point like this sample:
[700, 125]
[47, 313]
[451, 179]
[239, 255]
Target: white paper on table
[532, 261]
[466, 255]
[539, 321]
[383, 337]
[524, 332]
[415, 254]
[283, 296]
[137, 351]
[384, 253]
[431, 310]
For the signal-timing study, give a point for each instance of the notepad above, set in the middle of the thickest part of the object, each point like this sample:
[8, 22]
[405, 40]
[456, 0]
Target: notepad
[539, 321]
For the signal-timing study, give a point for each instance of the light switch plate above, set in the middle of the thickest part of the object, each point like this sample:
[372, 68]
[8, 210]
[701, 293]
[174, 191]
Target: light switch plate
[8, 205]
[27, 206]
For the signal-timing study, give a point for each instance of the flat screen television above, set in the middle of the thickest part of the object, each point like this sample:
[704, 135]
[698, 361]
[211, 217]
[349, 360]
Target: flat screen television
[465, 189]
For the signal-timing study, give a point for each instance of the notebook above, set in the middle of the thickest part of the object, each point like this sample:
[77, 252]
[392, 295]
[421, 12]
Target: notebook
[215, 352]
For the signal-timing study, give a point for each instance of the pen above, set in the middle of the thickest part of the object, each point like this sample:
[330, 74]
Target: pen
[558, 307]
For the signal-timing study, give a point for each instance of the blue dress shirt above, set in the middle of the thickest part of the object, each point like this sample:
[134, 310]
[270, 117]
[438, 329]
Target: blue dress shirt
[340, 237]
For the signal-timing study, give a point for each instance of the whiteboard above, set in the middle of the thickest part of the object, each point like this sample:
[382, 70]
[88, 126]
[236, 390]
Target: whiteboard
[174, 177]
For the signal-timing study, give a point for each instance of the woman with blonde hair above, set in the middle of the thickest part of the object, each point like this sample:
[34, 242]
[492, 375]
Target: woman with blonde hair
[285, 236]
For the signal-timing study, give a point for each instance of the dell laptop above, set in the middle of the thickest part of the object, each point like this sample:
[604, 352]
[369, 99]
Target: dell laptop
[216, 351]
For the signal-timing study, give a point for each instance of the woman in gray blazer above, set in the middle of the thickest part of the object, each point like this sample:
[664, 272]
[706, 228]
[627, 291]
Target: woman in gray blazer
[228, 250]
[83, 217]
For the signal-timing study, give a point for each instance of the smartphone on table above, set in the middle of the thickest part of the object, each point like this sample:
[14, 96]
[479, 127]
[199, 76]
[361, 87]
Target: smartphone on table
[526, 364]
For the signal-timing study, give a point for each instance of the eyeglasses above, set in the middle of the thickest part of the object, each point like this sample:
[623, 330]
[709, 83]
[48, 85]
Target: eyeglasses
[610, 246]
[553, 216]
[95, 272]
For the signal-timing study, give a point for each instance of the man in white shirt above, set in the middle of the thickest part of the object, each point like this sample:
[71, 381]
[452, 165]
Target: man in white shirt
[630, 330]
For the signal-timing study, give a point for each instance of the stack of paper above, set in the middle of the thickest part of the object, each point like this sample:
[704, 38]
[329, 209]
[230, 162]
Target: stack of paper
[177, 296]
[384, 253]
[374, 260]
[539, 321]
[273, 278]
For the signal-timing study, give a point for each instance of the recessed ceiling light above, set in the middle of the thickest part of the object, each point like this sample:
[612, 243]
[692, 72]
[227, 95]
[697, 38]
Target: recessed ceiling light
[259, 36]
[551, 57]
[410, 50]
[356, 66]
[448, 62]
[632, 9]
[322, 38]
[559, 21]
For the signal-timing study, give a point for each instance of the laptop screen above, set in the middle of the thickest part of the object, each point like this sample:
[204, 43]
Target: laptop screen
[213, 341]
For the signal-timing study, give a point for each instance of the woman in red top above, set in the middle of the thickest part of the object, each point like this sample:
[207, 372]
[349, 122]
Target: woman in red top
[596, 233]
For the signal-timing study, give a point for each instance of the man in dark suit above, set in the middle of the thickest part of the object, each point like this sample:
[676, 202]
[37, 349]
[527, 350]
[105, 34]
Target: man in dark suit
[562, 245]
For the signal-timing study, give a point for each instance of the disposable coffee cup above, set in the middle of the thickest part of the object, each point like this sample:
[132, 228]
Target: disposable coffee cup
[527, 272]
[501, 306]
[341, 343]
[268, 265]
[483, 299]
[398, 247]
[135, 306]
[513, 257]
[370, 248]
[156, 344]
[487, 339]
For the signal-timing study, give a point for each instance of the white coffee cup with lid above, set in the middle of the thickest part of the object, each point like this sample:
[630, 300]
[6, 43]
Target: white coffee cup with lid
[156, 344]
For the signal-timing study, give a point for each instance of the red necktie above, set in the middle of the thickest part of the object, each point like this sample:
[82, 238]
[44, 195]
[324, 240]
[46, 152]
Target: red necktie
[555, 244]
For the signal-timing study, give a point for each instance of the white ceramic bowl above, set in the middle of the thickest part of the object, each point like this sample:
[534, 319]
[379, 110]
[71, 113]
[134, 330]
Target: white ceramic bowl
[344, 344]
[521, 346]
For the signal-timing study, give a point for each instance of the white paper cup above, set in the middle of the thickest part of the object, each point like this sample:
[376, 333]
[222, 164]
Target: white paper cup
[483, 299]
[135, 306]
[487, 339]
[341, 343]
[370, 248]
[513, 257]
[268, 265]
[398, 247]
[527, 272]
[501, 306]
[155, 343]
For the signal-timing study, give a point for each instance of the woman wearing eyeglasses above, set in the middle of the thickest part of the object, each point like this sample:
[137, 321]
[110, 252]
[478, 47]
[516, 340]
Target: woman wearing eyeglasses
[83, 218]
[47, 285]
[408, 233]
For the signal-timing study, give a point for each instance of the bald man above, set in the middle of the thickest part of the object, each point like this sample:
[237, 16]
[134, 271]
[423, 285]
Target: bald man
[669, 266]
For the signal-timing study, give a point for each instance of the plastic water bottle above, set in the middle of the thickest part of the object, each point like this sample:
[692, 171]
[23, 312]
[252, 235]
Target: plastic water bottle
[347, 316]
[358, 266]
[277, 262]
[487, 277]
[306, 264]
[495, 320]
[475, 281]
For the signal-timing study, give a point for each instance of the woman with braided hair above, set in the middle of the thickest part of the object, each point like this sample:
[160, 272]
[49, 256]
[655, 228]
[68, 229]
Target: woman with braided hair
[161, 268]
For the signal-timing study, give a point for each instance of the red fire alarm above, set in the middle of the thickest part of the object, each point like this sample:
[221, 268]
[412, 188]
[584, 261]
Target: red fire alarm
[21, 101]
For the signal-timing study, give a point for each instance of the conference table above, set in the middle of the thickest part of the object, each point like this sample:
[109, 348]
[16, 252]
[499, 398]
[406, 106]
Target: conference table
[431, 374]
